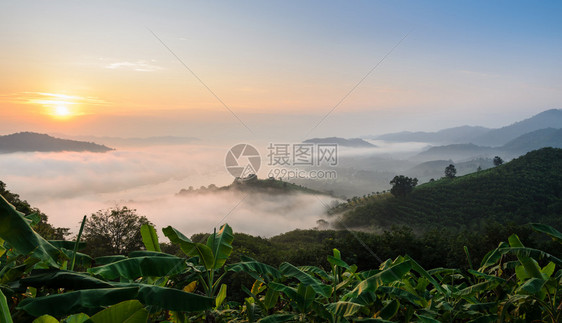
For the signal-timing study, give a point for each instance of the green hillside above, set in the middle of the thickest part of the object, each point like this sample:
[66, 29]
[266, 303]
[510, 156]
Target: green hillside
[527, 189]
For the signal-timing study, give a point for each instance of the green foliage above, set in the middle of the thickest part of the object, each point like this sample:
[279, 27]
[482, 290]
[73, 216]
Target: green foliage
[402, 185]
[127, 312]
[115, 231]
[17, 232]
[4, 310]
[191, 248]
[133, 268]
[527, 189]
[41, 226]
[150, 238]
[450, 171]
[86, 300]
[514, 283]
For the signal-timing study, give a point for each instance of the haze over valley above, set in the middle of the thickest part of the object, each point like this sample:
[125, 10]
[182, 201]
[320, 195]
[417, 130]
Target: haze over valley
[146, 174]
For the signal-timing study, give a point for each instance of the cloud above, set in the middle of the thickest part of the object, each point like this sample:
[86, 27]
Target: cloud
[139, 66]
[69, 174]
[43, 98]
[67, 186]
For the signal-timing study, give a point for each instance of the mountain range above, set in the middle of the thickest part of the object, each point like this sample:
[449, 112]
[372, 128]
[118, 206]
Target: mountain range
[31, 141]
[549, 137]
[480, 136]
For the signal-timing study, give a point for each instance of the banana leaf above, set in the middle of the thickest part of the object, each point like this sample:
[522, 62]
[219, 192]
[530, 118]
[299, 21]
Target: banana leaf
[265, 273]
[5, 316]
[133, 268]
[174, 299]
[16, 231]
[344, 309]
[145, 253]
[76, 318]
[63, 279]
[104, 260]
[45, 319]
[400, 293]
[191, 248]
[126, 312]
[386, 276]
[552, 232]
[291, 271]
[87, 301]
[150, 238]
[530, 264]
[221, 245]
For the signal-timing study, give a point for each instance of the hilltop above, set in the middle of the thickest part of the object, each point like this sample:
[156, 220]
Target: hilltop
[252, 184]
[31, 141]
[353, 142]
[527, 189]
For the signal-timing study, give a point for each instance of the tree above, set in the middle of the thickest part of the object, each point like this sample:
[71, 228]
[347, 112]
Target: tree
[114, 231]
[498, 161]
[450, 171]
[45, 229]
[402, 185]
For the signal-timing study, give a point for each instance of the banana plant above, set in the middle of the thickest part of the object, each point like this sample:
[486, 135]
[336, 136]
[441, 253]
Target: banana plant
[212, 256]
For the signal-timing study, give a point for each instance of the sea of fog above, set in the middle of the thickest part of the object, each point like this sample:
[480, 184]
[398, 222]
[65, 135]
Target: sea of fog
[68, 185]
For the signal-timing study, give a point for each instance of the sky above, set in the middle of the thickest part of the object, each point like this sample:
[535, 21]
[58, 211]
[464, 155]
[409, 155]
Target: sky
[228, 70]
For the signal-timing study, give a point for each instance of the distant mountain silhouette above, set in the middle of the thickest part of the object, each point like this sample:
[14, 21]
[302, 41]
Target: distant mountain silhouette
[456, 152]
[542, 138]
[354, 142]
[456, 135]
[31, 141]
[548, 137]
[479, 135]
[497, 137]
[138, 141]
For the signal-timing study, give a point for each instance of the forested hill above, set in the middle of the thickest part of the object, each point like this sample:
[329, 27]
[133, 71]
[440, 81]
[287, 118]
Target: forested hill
[527, 189]
[31, 141]
[252, 184]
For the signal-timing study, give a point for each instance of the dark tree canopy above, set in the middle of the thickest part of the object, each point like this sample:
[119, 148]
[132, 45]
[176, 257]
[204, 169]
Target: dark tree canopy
[44, 229]
[402, 185]
[498, 161]
[450, 171]
[114, 231]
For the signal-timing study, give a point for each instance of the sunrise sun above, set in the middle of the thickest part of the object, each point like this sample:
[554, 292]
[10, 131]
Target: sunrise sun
[62, 111]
